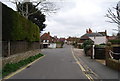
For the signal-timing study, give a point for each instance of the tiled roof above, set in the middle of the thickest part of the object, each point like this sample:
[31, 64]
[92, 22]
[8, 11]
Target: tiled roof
[92, 34]
[103, 33]
[84, 38]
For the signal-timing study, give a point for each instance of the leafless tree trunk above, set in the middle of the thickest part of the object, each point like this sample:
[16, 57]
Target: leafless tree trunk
[115, 17]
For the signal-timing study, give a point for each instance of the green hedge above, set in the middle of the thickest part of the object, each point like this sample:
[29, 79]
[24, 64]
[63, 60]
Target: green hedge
[16, 27]
[115, 41]
[87, 42]
[87, 48]
[87, 45]
[100, 46]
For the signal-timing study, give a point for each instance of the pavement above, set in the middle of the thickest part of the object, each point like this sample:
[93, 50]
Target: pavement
[66, 63]
[97, 66]
[101, 61]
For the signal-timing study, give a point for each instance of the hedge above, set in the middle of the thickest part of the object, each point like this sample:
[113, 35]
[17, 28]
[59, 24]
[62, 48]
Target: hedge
[87, 48]
[115, 41]
[15, 27]
[100, 46]
[87, 45]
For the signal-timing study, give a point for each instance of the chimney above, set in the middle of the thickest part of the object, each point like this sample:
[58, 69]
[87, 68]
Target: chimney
[87, 31]
[49, 33]
[106, 32]
[90, 31]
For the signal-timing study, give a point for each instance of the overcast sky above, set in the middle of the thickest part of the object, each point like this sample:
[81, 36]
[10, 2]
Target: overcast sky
[75, 16]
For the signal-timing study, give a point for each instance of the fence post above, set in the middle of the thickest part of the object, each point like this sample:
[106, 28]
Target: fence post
[9, 48]
[93, 52]
[107, 56]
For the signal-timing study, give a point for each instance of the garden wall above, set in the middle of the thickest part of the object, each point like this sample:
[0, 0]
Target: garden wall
[20, 56]
[114, 64]
[18, 47]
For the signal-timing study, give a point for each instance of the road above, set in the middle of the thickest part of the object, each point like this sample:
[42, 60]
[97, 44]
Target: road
[66, 63]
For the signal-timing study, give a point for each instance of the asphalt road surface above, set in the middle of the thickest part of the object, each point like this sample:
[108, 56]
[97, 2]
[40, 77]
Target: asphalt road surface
[66, 63]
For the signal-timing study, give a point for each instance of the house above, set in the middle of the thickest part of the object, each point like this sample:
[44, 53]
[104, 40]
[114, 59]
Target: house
[72, 40]
[51, 42]
[83, 38]
[103, 33]
[97, 38]
[48, 41]
[111, 37]
[62, 39]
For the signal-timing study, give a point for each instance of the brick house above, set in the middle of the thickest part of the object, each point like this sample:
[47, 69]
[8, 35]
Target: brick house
[47, 39]
[50, 42]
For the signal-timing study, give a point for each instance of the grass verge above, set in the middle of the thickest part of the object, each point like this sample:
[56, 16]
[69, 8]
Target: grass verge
[12, 67]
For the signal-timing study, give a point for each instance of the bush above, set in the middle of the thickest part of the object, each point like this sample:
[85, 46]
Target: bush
[87, 42]
[80, 46]
[15, 27]
[115, 41]
[86, 48]
[87, 45]
[75, 45]
[11, 67]
[100, 46]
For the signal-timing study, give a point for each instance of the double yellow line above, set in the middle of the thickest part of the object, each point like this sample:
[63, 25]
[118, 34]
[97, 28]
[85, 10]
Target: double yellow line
[81, 67]
[14, 73]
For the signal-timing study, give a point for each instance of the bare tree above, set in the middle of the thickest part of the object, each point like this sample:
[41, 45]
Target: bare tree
[44, 6]
[114, 16]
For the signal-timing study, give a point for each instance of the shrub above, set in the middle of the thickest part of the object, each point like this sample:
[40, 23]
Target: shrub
[115, 41]
[87, 42]
[80, 46]
[87, 45]
[86, 48]
[100, 46]
[11, 67]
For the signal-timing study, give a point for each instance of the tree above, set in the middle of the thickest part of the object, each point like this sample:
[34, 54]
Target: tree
[34, 12]
[44, 6]
[115, 17]
[36, 17]
[39, 19]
